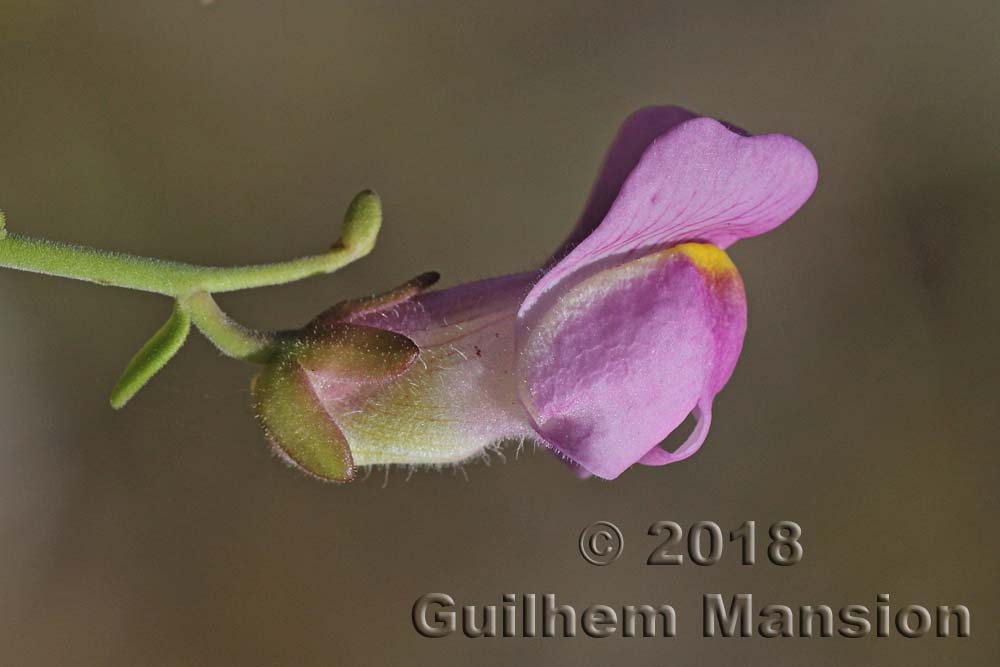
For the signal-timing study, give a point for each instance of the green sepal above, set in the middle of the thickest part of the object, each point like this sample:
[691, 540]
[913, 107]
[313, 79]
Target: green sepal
[153, 356]
[300, 430]
[353, 352]
[345, 310]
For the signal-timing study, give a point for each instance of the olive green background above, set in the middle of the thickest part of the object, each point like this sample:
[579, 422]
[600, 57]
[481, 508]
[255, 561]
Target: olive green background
[864, 406]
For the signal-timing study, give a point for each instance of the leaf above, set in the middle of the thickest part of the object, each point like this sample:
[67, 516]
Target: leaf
[153, 356]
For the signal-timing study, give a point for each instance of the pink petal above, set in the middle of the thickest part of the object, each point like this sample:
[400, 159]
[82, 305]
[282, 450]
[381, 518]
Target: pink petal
[618, 362]
[633, 138]
[701, 181]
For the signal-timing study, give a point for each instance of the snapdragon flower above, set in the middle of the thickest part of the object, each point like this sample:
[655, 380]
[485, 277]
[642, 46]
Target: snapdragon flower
[635, 322]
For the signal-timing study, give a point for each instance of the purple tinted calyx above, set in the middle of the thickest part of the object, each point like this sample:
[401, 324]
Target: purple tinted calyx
[346, 356]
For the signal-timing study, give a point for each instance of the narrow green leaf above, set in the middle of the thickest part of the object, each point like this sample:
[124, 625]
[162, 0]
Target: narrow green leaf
[153, 356]
[3, 224]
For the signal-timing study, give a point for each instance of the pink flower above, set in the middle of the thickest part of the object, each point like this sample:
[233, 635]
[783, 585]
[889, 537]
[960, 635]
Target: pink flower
[636, 322]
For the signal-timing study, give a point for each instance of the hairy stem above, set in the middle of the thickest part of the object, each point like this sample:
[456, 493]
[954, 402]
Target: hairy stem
[148, 274]
[232, 338]
[178, 279]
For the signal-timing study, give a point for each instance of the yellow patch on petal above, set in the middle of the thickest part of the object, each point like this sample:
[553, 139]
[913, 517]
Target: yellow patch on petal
[707, 257]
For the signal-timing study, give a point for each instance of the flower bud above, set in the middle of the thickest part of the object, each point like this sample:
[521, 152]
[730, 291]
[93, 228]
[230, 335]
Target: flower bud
[362, 222]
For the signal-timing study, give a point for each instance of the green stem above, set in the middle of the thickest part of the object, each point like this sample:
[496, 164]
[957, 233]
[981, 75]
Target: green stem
[179, 280]
[232, 338]
[148, 274]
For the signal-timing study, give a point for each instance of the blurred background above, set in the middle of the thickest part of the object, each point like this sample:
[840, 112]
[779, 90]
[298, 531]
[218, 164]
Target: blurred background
[864, 406]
